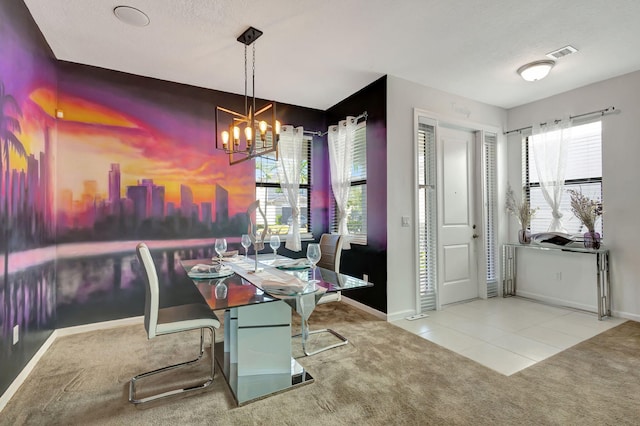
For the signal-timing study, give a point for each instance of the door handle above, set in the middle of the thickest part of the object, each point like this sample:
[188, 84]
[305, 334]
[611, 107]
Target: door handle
[475, 235]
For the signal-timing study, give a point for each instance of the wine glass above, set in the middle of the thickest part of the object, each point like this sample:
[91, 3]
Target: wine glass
[313, 254]
[274, 243]
[246, 243]
[221, 247]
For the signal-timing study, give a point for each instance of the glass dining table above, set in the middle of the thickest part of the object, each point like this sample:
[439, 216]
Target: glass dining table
[255, 356]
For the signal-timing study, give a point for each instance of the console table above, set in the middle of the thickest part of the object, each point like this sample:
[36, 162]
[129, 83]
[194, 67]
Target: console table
[509, 253]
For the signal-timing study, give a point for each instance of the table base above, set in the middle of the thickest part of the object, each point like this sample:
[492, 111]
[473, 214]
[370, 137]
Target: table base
[246, 389]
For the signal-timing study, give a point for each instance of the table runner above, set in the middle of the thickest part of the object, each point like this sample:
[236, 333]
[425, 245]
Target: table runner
[268, 274]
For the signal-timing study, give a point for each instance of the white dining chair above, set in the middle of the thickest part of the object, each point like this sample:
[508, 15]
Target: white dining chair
[160, 321]
[331, 252]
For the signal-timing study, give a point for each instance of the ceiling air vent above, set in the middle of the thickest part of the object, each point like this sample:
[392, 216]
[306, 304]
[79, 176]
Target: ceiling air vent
[562, 52]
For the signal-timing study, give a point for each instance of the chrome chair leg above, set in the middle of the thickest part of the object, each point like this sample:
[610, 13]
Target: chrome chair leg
[134, 380]
[303, 335]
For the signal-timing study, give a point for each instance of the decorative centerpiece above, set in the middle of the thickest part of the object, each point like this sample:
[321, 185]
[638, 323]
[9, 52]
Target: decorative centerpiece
[256, 238]
[587, 211]
[523, 212]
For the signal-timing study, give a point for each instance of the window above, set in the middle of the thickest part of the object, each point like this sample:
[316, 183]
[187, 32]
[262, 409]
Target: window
[490, 206]
[357, 204]
[272, 199]
[427, 219]
[583, 173]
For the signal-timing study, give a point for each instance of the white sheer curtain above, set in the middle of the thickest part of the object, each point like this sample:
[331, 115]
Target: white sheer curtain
[290, 157]
[549, 146]
[340, 138]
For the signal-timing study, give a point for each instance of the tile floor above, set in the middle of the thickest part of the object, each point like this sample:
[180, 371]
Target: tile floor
[507, 334]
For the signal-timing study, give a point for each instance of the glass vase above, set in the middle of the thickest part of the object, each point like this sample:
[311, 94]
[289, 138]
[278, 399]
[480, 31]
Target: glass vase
[592, 240]
[524, 236]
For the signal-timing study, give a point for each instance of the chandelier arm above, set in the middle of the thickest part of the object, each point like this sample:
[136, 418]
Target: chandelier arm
[265, 108]
[228, 111]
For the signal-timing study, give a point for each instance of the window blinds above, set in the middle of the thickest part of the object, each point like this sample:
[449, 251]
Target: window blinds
[490, 210]
[272, 199]
[427, 216]
[357, 204]
[584, 173]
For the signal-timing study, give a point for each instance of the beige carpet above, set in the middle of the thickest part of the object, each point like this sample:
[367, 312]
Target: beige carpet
[384, 376]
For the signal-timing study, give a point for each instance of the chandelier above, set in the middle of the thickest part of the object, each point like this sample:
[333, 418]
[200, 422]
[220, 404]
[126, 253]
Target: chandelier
[254, 133]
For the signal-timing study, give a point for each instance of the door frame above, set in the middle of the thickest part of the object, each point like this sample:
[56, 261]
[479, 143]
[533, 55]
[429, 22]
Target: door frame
[479, 129]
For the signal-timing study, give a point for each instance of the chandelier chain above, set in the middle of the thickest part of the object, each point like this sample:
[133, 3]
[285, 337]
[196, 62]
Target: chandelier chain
[245, 81]
[253, 83]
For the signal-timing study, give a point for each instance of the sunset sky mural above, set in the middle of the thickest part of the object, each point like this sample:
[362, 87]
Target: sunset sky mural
[108, 125]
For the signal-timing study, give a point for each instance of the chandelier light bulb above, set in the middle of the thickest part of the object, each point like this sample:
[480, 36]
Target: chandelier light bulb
[225, 139]
[248, 132]
[236, 133]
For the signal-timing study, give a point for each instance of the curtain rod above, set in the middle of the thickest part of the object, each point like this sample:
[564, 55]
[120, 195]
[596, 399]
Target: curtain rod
[600, 111]
[319, 133]
[363, 115]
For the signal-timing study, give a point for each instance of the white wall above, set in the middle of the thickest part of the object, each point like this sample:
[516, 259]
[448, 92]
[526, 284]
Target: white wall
[621, 180]
[402, 98]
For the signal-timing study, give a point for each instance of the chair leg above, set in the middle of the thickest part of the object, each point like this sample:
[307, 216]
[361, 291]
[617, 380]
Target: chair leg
[343, 341]
[132, 382]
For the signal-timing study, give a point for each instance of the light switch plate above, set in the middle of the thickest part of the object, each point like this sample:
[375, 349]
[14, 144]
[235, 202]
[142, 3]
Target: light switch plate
[405, 221]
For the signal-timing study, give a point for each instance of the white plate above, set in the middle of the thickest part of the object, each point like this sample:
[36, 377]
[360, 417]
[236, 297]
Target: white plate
[208, 275]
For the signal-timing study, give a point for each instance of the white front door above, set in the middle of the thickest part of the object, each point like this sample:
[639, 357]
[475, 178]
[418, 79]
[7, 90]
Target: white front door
[457, 268]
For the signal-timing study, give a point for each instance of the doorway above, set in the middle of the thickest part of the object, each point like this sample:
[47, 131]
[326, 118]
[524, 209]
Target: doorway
[457, 265]
[455, 200]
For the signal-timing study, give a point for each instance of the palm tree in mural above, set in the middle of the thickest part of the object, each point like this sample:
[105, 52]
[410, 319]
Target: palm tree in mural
[9, 127]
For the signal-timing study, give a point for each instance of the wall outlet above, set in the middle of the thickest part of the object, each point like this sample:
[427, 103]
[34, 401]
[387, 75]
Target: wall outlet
[558, 276]
[365, 277]
[16, 333]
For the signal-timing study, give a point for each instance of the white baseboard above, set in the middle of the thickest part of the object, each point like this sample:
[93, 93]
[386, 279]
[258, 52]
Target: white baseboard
[626, 315]
[364, 307]
[557, 301]
[400, 315]
[17, 382]
[67, 331]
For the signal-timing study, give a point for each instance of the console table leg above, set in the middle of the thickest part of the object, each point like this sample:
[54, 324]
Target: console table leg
[604, 301]
[509, 271]
[604, 289]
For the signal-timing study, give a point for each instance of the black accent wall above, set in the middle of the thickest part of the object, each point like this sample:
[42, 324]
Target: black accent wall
[372, 258]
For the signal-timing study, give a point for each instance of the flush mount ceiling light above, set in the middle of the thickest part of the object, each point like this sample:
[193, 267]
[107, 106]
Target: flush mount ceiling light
[131, 15]
[536, 70]
[255, 132]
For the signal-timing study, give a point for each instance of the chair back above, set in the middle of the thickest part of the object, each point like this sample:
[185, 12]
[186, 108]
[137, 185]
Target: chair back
[152, 297]
[331, 250]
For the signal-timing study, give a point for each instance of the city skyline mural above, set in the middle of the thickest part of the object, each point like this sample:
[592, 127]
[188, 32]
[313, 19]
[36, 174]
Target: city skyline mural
[145, 164]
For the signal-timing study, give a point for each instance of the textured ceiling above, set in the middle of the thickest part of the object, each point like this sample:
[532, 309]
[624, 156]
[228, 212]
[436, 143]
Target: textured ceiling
[315, 53]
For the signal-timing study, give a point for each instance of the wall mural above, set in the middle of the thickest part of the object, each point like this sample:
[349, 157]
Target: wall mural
[94, 161]
[135, 162]
[27, 132]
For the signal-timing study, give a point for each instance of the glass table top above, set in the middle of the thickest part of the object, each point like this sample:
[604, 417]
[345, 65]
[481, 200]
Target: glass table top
[234, 290]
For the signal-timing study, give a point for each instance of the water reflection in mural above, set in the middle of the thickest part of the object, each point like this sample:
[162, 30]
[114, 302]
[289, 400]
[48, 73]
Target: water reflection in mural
[31, 296]
[114, 282]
